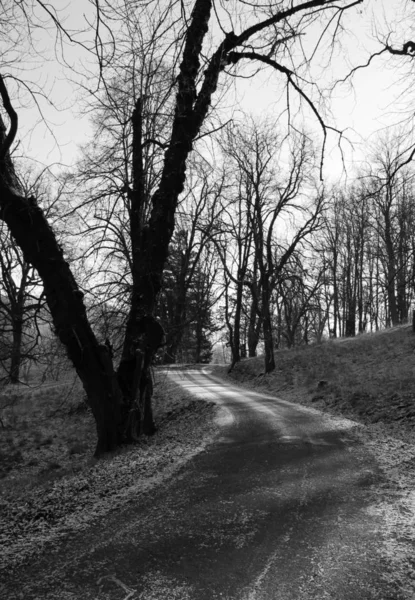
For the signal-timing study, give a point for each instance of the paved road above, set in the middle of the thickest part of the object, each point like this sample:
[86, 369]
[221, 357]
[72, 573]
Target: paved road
[278, 508]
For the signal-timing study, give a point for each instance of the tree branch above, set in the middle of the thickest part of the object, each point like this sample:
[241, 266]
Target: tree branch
[408, 49]
[234, 57]
[5, 147]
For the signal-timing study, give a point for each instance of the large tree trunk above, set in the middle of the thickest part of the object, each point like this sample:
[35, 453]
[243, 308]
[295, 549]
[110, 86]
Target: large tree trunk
[125, 399]
[150, 241]
[32, 233]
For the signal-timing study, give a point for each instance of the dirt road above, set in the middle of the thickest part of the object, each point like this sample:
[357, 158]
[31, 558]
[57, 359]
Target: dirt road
[278, 508]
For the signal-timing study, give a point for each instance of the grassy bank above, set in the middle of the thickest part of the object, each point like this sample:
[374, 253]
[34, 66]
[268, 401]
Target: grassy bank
[50, 484]
[370, 378]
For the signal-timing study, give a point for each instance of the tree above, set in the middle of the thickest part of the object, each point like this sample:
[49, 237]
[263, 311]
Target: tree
[121, 401]
[274, 176]
[390, 190]
[19, 305]
[189, 257]
[298, 295]
[22, 306]
[185, 301]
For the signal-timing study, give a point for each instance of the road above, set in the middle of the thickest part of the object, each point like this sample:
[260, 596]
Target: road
[277, 508]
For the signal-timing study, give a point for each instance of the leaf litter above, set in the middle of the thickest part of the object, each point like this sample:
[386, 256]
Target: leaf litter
[34, 517]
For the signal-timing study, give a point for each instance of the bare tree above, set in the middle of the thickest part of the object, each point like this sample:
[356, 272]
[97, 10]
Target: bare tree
[273, 194]
[121, 403]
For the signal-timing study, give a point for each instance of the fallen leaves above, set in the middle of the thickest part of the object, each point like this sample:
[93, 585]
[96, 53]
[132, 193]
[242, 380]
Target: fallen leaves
[45, 515]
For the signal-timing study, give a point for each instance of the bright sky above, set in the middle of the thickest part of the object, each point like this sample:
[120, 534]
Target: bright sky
[364, 109]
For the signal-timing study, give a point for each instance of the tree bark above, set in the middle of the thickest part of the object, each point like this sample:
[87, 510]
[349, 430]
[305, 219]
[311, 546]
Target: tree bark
[254, 330]
[236, 329]
[34, 236]
[267, 329]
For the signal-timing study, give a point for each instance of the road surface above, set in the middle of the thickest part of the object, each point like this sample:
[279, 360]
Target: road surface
[277, 508]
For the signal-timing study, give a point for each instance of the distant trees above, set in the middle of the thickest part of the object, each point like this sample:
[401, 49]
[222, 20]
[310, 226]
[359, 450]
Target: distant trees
[392, 193]
[186, 301]
[344, 245]
[23, 314]
[296, 269]
[267, 221]
[19, 304]
[367, 244]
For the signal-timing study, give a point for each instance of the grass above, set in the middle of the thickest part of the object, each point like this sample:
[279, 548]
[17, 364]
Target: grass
[370, 377]
[41, 433]
[47, 432]
[53, 485]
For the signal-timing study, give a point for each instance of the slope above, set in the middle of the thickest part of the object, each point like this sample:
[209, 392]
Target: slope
[370, 378]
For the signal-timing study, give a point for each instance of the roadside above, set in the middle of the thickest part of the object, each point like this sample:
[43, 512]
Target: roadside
[370, 379]
[277, 508]
[57, 488]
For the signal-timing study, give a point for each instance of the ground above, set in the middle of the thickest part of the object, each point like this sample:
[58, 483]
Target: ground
[278, 507]
[370, 379]
[51, 486]
[52, 490]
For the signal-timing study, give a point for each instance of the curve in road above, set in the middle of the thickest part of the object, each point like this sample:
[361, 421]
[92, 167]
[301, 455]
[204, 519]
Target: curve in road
[279, 507]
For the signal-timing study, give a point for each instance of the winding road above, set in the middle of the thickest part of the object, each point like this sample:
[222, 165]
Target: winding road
[279, 507]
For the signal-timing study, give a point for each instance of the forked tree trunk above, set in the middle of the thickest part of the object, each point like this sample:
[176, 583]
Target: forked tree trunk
[125, 399]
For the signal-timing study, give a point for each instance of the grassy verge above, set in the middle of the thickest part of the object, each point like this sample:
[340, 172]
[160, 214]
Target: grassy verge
[52, 486]
[370, 378]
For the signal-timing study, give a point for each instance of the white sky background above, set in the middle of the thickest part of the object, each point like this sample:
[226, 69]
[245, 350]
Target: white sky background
[364, 109]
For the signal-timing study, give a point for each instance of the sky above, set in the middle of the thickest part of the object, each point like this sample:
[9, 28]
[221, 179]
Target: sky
[364, 108]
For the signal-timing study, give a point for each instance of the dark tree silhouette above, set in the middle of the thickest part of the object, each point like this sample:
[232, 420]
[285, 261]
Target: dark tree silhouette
[121, 401]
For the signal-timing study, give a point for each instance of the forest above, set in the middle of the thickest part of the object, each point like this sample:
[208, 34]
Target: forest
[190, 228]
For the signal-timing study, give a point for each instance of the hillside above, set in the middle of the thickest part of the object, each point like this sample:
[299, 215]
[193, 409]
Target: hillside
[370, 378]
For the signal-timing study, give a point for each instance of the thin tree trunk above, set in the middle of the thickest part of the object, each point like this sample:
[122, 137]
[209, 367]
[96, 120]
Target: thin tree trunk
[16, 354]
[254, 330]
[175, 335]
[17, 323]
[267, 329]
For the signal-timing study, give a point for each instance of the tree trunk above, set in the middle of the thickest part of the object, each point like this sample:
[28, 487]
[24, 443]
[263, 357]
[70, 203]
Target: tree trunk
[125, 399]
[255, 320]
[16, 356]
[175, 335]
[267, 329]
[391, 266]
[253, 339]
[17, 314]
[93, 365]
[236, 342]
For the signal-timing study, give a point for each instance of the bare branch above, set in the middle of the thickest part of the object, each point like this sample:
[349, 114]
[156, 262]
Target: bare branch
[13, 119]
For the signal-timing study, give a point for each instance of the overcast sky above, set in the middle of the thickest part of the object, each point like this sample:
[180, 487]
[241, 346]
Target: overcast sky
[364, 108]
